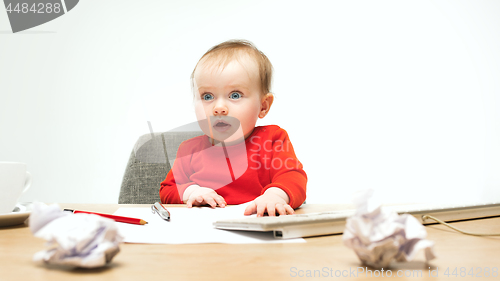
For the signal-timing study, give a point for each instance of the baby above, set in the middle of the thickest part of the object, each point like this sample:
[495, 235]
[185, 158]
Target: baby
[234, 161]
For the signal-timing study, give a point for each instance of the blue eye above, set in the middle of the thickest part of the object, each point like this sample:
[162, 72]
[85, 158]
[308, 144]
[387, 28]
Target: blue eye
[207, 97]
[235, 95]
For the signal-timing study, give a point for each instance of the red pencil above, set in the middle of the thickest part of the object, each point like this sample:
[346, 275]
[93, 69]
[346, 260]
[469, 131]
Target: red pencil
[115, 218]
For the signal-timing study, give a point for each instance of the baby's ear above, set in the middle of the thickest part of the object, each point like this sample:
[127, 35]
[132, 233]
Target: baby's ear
[265, 104]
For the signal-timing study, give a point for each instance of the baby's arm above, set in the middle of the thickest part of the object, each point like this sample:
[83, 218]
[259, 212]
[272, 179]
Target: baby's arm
[273, 200]
[196, 195]
[287, 189]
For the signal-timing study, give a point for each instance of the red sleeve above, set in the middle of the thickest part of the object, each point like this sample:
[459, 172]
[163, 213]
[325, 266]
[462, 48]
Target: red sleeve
[287, 173]
[172, 188]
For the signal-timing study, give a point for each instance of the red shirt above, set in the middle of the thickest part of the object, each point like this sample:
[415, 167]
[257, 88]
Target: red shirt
[239, 173]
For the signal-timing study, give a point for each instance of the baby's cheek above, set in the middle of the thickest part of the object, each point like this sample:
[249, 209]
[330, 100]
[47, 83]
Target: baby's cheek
[200, 111]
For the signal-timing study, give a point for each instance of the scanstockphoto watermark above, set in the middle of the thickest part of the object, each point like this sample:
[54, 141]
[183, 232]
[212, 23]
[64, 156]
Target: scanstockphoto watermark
[328, 272]
[25, 14]
[261, 149]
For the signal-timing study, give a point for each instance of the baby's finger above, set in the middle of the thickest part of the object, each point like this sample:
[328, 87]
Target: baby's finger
[192, 202]
[250, 209]
[289, 209]
[210, 200]
[220, 200]
[271, 209]
[281, 209]
[196, 201]
[261, 208]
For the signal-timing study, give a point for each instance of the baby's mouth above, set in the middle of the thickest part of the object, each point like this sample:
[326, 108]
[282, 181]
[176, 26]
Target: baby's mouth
[221, 126]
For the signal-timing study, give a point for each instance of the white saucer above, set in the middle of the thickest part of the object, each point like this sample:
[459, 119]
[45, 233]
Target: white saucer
[20, 214]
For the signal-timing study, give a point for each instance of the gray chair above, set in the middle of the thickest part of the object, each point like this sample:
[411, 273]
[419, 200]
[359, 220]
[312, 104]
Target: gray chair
[150, 161]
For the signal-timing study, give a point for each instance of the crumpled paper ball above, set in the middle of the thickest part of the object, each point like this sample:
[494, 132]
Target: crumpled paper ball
[80, 240]
[379, 237]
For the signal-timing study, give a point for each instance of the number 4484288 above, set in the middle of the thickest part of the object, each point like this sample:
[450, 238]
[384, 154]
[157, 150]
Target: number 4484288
[472, 272]
[35, 8]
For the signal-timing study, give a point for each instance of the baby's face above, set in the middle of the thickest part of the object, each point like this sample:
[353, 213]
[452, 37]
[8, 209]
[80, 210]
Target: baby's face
[228, 102]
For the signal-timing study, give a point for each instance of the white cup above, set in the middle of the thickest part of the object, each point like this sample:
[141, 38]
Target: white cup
[14, 181]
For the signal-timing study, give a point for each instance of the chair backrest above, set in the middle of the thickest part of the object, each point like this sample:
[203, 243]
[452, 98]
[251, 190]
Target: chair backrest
[150, 161]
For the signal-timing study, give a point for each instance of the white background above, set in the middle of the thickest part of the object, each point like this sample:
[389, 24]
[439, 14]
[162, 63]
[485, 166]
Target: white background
[399, 96]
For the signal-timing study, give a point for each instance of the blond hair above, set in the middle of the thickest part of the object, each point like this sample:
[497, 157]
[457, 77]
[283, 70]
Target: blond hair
[230, 50]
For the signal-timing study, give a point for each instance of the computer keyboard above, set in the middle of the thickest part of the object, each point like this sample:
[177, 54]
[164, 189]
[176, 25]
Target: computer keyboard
[333, 222]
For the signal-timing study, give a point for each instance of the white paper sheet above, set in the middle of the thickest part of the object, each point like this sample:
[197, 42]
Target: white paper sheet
[191, 226]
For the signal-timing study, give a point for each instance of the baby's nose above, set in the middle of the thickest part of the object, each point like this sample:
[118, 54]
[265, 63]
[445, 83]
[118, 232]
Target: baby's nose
[220, 110]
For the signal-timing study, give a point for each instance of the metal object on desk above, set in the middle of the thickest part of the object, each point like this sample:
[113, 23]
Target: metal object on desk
[161, 211]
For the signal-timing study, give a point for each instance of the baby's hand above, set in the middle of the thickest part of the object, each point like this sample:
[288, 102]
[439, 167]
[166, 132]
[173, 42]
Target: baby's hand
[270, 202]
[199, 196]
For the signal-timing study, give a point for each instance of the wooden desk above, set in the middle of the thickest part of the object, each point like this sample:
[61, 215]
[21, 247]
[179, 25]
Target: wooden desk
[326, 255]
